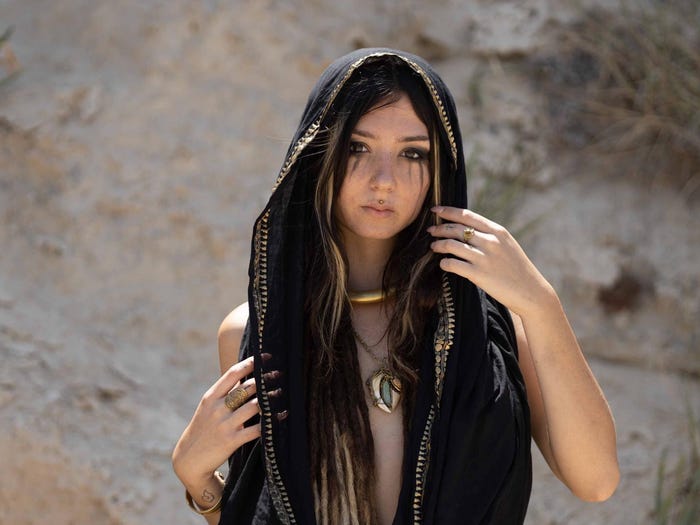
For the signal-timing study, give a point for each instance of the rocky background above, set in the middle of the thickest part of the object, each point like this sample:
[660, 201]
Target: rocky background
[138, 141]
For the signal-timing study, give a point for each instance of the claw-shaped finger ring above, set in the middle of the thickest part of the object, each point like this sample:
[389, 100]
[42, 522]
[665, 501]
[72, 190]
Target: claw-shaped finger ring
[467, 234]
[236, 398]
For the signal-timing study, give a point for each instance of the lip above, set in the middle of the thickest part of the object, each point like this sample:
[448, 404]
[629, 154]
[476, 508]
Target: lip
[378, 210]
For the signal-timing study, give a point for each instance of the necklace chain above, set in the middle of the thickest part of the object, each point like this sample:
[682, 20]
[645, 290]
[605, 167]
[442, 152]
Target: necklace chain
[368, 348]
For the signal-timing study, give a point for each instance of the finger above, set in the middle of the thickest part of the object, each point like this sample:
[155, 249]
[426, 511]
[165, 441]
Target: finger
[466, 217]
[244, 412]
[272, 376]
[240, 394]
[232, 376]
[459, 267]
[459, 249]
[250, 433]
[249, 385]
[451, 230]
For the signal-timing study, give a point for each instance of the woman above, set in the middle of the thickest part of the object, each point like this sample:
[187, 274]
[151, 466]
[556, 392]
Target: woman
[390, 334]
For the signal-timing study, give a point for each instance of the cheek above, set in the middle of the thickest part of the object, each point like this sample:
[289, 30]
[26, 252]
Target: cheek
[420, 201]
[419, 188]
[353, 165]
[341, 204]
[413, 204]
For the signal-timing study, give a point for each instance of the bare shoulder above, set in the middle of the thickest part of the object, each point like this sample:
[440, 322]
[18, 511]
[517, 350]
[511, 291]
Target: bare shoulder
[229, 336]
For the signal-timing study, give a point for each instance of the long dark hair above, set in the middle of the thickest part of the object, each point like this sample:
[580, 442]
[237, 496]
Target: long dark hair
[340, 439]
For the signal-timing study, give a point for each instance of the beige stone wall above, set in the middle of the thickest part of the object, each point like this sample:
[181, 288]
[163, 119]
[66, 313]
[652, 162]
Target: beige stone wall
[137, 144]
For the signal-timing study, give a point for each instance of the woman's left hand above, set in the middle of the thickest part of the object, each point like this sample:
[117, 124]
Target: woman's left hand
[489, 257]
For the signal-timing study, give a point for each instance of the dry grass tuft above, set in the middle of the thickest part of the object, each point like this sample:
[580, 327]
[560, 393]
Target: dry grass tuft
[629, 82]
[677, 502]
[9, 65]
[500, 195]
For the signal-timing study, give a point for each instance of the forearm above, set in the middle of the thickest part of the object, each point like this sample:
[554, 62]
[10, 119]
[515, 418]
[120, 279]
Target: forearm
[580, 428]
[216, 430]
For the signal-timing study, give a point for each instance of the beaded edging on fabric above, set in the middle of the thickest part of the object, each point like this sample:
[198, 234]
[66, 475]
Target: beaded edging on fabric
[443, 336]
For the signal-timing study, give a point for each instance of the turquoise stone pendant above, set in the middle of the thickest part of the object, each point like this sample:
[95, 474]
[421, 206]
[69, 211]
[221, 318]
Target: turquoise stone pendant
[385, 389]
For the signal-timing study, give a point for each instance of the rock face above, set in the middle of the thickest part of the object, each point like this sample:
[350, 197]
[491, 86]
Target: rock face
[139, 141]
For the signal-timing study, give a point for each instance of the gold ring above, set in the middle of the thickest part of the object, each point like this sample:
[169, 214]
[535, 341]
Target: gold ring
[467, 234]
[236, 398]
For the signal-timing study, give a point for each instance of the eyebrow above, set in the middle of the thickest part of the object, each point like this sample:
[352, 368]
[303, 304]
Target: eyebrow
[410, 138]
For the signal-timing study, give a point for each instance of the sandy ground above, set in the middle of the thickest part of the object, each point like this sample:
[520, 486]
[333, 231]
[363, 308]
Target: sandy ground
[139, 141]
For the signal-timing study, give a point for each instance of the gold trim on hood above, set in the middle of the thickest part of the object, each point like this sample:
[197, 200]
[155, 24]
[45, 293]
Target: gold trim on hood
[312, 130]
[443, 336]
[442, 343]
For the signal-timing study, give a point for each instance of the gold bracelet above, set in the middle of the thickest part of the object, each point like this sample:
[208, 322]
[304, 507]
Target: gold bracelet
[214, 508]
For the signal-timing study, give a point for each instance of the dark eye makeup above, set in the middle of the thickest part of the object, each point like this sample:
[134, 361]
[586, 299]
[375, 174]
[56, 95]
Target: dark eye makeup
[413, 153]
[416, 153]
[358, 147]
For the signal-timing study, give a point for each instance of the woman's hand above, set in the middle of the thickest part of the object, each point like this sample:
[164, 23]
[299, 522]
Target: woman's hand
[571, 420]
[491, 258]
[216, 431]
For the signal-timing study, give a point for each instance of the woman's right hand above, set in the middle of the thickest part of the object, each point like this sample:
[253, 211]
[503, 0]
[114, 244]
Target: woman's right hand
[216, 431]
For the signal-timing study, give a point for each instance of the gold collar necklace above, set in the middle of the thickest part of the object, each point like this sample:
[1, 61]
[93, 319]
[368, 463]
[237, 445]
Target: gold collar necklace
[369, 297]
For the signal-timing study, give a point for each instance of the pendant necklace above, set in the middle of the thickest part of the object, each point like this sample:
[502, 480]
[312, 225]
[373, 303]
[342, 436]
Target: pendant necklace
[384, 387]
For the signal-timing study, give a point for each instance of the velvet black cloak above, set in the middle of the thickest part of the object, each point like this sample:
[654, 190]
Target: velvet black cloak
[467, 458]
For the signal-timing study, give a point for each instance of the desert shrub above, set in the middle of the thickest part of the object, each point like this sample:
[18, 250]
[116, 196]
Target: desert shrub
[499, 195]
[9, 66]
[677, 498]
[628, 81]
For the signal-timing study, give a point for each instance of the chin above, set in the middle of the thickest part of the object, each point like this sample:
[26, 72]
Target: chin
[380, 236]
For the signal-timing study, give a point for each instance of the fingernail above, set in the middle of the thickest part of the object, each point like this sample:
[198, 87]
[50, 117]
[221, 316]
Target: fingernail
[281, 416]
[436, 209]
[275, 393]
[271, 375]
[265, 356]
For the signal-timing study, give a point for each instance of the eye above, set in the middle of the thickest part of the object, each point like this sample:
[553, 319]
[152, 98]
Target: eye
[415, 154]
[358, 147]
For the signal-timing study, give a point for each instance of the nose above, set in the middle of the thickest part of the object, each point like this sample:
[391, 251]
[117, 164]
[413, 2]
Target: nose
[383, 174]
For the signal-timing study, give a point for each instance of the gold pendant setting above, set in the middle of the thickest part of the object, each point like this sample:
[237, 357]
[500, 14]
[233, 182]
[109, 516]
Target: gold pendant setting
[385, 389]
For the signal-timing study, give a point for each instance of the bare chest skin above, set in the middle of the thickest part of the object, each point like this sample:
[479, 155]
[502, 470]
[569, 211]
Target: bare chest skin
[387, 429]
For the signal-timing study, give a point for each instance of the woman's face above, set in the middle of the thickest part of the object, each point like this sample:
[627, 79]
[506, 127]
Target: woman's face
[388, 173]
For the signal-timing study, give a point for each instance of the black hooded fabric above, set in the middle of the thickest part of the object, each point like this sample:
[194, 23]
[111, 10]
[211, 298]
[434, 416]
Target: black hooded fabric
[467, 455]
